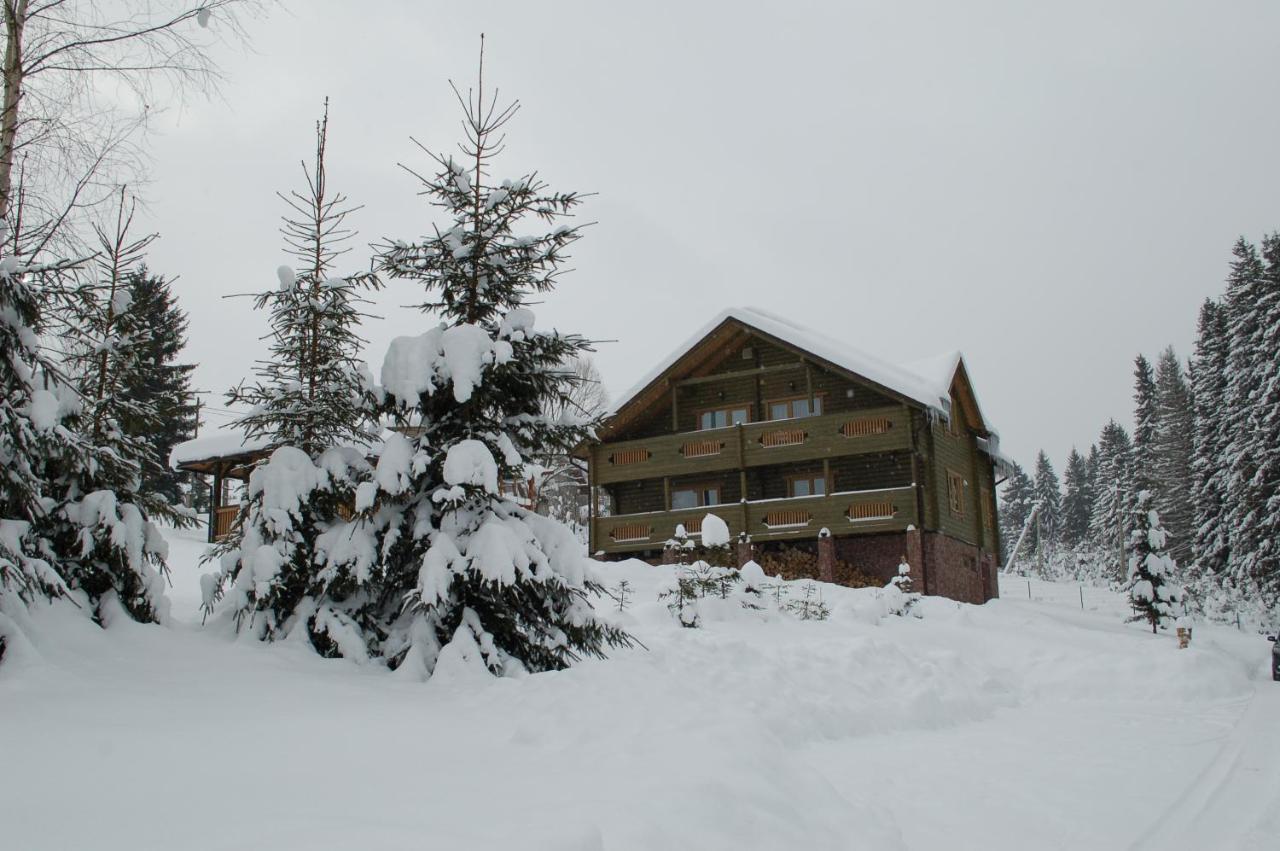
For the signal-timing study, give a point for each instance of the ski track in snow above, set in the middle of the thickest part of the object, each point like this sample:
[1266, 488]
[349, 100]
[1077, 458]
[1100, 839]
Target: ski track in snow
[1234, 804]
[1023, 724]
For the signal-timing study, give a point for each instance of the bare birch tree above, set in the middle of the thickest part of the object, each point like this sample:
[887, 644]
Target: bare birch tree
[81, 79]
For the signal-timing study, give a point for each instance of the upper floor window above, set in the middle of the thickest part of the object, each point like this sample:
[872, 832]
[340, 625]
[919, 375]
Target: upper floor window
[956, 493]
[695, 497]
[955, 425]
[806, 485]
[724, 417]
[786, 409]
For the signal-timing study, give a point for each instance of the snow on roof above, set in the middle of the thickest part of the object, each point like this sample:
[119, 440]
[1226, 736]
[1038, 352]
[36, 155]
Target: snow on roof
[229, 441]
[928, 383]
[222, 442]
[939, 369]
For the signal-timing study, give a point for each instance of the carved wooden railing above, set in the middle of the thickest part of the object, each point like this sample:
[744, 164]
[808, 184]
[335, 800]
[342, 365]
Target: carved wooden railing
[866, 426]
[872, 511]
[783, 437]
[754, 444]
[701, 448]
[787, 517]
[630, 532]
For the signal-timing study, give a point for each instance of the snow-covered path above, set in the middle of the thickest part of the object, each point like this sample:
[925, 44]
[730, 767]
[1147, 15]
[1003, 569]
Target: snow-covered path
[1234, 804]
[1020, 724]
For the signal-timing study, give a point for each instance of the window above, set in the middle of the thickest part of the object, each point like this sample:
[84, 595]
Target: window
[955, 493]
[955, 422]
[695, 497]
[786, 409]
[806, 485]
[724, 417]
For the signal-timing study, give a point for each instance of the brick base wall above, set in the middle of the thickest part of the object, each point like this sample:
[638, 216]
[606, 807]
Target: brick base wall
[950, 568]
[959, 570]
[874, 555]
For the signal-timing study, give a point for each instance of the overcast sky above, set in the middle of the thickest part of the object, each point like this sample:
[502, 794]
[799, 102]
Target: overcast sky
[1050, 188]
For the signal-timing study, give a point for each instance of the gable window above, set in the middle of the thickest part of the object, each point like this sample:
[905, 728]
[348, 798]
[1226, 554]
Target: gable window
[695, 497]
[724, 417]
[955, 423]
[955, 493]
[806, 485]
[803, 406]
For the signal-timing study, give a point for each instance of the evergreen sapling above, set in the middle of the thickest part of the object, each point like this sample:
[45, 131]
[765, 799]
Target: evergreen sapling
[296, 557]
[474, 581]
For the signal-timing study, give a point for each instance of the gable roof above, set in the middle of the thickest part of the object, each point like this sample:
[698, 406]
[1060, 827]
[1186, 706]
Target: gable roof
[927, 382]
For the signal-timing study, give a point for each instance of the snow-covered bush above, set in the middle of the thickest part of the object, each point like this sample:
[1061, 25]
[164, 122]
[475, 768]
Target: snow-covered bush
[809, 606]
[753, 587]
[899, 597]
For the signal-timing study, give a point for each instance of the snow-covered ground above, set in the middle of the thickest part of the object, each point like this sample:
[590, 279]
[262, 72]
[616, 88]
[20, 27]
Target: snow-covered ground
[1025, 723]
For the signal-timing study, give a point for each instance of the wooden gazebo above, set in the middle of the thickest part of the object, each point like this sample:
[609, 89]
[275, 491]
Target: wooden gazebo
[227, 457]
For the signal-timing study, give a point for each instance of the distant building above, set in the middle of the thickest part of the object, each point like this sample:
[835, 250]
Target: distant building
[783, 432]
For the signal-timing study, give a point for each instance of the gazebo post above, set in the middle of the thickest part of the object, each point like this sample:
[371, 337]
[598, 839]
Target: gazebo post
[215, 502]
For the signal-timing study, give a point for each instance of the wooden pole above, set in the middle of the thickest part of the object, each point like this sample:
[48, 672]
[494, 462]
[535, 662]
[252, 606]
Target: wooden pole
[215, 502]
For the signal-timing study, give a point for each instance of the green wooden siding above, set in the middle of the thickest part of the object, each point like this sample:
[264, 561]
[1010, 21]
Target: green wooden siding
[958, 454]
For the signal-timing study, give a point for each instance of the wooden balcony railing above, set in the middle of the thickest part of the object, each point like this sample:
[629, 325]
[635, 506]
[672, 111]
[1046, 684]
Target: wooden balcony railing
[754, 444]
[224, 517]
[886, 510]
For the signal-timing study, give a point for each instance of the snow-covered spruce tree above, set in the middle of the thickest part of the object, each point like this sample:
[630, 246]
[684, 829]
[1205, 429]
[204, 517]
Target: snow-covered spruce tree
[295, 558]
[33, 403]
[1145, 423]
[1046, 491]
[473, 580]
[157, 327]
[1212, 430]
[1173, 450]
[1077, 502]
[1016, 501]
[101, 530]
[1109, 524]
[1152, 592]
[1244, 323]
[1264, 424]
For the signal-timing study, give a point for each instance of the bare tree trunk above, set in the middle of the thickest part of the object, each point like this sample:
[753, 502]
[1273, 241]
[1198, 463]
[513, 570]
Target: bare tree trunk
[15, 19]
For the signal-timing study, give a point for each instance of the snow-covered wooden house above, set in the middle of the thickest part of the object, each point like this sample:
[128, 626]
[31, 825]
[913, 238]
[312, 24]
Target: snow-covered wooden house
[794, 438]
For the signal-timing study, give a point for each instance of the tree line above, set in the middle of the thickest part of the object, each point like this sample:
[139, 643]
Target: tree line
[380, 525]
[1205, 446]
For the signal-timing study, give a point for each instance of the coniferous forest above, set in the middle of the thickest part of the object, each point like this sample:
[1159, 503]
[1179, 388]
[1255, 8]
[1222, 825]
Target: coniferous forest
[1204, 444]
